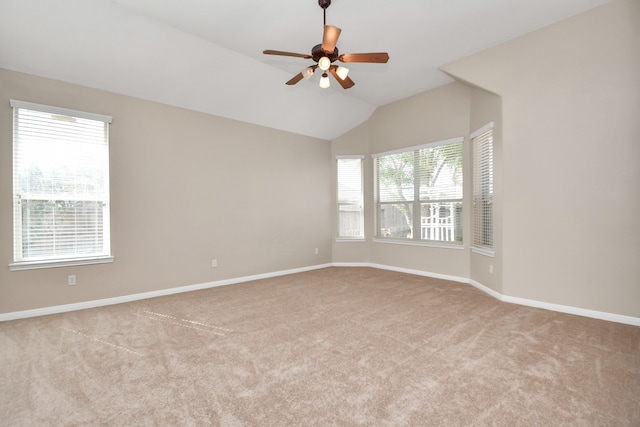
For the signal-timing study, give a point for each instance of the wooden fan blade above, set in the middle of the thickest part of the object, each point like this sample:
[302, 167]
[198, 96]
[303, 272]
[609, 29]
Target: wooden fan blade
[306, 73]
[378, 57]
[295, 79]
[346, 83]
[330, 38]
[278, 52]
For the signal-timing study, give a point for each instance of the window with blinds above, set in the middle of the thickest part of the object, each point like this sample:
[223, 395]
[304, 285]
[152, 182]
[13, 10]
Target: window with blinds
[60, 186]
[350, 197]
[418, 193]
[482, 141]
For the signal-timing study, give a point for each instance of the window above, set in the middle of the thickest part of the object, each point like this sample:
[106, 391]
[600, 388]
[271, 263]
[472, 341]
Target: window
[350, 198]
[418, 193]
[60, 187]
[482, 141]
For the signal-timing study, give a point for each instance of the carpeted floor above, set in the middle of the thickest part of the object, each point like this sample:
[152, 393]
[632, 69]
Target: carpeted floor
[338, 346]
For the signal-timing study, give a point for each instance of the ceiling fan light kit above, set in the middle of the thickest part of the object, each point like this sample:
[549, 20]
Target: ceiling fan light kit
[326, 53]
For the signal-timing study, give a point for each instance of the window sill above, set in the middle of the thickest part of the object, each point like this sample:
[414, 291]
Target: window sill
[482, 251]
[350, 240]
[32, 265]
[440, 245]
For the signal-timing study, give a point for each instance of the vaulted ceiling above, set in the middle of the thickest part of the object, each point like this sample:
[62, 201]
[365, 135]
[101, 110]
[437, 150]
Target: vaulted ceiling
[206, 55]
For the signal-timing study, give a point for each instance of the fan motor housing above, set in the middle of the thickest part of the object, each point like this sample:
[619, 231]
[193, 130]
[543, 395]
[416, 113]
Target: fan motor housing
[317, 53]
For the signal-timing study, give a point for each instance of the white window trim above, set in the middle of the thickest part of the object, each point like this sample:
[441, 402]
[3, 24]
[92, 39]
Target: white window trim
[355, 156]
[350, 240]
[483, 251]
[410, 242]
[74, 261]
[482, 130]
[420, 147]
[58, 110]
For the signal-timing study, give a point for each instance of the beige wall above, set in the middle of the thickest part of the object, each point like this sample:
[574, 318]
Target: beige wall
[436, 115]
[571, 158]
[186, 188]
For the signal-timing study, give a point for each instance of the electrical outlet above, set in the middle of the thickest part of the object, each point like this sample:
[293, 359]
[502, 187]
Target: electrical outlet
[317, 252]
[491, 268]
[214, 263]
[71, 280]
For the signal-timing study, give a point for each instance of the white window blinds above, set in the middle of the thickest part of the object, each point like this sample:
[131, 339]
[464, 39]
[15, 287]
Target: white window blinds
[419, 192]
[482, 141]
[60, 184]
[350, 197]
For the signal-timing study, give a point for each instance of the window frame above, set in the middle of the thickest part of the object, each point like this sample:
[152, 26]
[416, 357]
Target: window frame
[362, 236]
[20, 262]
[416, 238]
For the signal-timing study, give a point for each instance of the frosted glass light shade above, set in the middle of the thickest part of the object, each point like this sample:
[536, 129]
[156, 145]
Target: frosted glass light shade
[307, 72]
[324, 63]
[342, 72]
[324, 81]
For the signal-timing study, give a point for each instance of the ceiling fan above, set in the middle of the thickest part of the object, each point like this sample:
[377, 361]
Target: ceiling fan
[326, 53]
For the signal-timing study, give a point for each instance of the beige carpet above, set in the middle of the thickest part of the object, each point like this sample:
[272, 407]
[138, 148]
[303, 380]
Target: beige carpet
[338, 346]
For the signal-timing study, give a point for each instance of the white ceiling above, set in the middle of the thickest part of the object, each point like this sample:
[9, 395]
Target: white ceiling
[206, 55]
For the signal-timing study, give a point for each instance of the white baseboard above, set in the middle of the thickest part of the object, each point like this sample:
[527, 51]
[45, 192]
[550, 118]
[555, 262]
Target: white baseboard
[486, 289]
[401, 270]
[145, 295]
[618, 318]
[601, 315]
